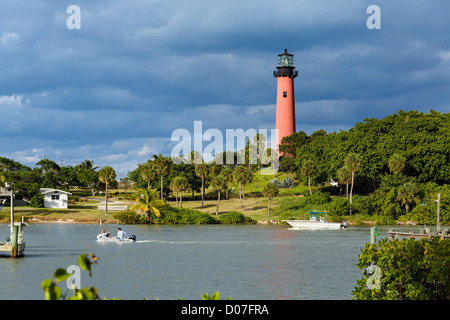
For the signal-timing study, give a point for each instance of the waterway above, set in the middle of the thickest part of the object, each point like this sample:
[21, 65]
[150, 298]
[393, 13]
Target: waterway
[256, 262]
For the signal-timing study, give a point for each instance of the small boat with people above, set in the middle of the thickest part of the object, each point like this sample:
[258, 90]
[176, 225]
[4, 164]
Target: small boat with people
[317, 221]
[120, 237]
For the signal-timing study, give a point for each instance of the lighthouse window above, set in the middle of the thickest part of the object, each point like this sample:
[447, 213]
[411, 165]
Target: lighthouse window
[284, 94]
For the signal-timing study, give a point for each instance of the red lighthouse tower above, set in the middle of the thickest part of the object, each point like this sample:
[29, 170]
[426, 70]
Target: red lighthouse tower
[285, 115]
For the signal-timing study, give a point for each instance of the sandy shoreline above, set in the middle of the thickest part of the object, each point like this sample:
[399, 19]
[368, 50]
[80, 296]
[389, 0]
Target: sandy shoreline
[38, 220]
[69, 220]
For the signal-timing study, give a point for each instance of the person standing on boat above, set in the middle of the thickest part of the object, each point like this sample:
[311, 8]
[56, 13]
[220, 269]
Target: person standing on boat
[121, 234]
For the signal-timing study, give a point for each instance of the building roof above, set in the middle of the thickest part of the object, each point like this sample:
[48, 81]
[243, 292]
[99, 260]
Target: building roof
[51, 190]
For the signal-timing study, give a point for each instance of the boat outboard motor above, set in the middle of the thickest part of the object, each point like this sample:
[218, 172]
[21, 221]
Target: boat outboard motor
[344, 224]
[132, 237]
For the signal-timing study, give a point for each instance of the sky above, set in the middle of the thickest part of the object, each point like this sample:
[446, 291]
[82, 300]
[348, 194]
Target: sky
[115, 87]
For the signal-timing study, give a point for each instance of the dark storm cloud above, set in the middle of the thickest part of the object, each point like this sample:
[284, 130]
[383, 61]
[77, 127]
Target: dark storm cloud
[115, 90]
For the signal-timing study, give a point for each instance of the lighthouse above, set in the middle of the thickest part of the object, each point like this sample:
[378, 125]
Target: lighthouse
[285, 110]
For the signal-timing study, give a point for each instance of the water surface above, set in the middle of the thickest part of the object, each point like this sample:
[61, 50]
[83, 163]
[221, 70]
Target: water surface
[256, 262]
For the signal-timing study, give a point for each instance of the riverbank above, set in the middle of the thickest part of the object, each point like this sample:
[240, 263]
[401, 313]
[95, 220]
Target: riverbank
[88, 213]
[84, 209]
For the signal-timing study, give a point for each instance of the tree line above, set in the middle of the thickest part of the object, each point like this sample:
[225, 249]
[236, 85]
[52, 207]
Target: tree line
[386, 165]
[392, 164]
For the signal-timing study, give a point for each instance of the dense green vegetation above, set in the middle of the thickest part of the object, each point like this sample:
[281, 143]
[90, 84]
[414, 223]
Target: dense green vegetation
[392, 164]
[421, 139]
[384, 169]
[174, 215]
[405, 270]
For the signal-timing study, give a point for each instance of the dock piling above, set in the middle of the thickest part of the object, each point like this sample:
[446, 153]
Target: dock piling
[373, 234]
[14, 241]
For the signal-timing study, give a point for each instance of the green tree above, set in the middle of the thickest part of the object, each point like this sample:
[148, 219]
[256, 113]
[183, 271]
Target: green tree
[148, 172]
[270, 191]
[86, 165]
[239, 176]
[37, 201]
[227, 173]
[344, 176]
[107, 175]
[308, 169]
[396, 163]
[259, 140]
[179, 184]
[162, 167]
[87, 176]
[406, 194]
[290, 144]
[50, 173]
[218, 184]
[353, 163]
[407, 269]
[248, 178]
[149, 202]
[202, 171]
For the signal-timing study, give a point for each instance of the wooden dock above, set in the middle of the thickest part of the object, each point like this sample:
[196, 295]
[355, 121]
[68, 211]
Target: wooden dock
[15, 245]
[423, 234]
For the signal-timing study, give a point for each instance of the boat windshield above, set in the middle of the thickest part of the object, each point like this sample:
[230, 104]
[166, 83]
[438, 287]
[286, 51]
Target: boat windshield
[313, 215]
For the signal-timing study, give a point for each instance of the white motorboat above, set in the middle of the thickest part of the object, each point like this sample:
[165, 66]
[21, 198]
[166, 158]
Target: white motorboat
[315, 222]
[104, 238]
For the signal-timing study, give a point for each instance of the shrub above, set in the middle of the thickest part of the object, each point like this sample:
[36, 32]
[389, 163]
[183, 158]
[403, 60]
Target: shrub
[318, 198]
[287, 183]
[408, 270]
[290, 207]
[173, 215]
[339, 206]
[235, 217]
[37, 201]
[364, 204]
[74, 198]
[276, 182]
[129, 217]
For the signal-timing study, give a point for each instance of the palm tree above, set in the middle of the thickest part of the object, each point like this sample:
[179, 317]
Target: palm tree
[218, 184]
[396, 163]
[344, 176]
[148, 172]
[353, 163]
[406, 194]
[308, 169]
[202, 171]
[147, 201]
[227, 173]
[162, 167]
[194, 157]
[260, 141]
[270, 190]
[88, 165]
[239, 175]
[248, 178]
[179, 184]
[107, 175]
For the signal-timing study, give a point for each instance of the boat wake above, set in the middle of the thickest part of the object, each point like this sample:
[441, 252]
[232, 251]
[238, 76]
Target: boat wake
[191, 242]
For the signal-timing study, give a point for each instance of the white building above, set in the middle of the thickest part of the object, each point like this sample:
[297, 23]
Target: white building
[54, 198]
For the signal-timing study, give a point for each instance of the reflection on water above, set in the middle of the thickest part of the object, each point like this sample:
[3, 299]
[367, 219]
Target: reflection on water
[171, 262]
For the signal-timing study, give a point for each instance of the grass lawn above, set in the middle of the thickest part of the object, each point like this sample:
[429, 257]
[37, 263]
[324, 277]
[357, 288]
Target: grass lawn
[254, 205]
[77, 212]
[255, 208]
